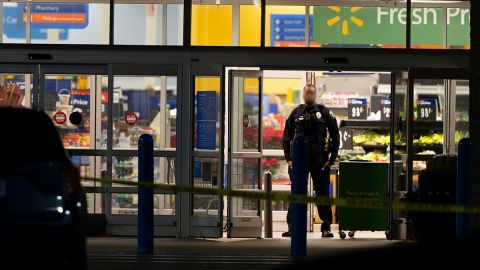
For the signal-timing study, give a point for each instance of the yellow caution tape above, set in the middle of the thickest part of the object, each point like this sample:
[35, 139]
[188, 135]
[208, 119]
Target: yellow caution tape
[295, 198]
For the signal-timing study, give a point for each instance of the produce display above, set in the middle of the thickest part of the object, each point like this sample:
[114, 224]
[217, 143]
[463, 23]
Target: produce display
[371, 138]
[432, 139]
[372, 156]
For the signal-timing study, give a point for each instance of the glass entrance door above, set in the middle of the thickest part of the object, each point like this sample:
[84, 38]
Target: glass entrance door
[74, 98]
[16, 86]
[244, 151]
[99, 116]
[206, 215]
[438, 116]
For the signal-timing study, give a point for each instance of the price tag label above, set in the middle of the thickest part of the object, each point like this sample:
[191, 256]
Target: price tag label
[346, 141]
[357, 108]
[427, 109]
[385, 108]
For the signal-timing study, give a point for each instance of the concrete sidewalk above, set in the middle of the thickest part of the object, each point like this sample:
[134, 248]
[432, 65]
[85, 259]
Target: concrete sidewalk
[234, 247]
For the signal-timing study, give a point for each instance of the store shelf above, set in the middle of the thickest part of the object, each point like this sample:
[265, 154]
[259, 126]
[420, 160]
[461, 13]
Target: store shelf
[373, 124]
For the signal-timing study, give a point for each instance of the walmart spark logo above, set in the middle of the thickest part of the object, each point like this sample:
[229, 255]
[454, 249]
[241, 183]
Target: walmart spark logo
[345, 31]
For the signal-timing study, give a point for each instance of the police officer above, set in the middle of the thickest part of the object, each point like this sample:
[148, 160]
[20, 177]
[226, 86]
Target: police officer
[313, 121]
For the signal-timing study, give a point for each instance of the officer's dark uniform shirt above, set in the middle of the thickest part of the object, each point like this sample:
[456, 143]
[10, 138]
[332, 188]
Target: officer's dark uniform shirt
[313, 123]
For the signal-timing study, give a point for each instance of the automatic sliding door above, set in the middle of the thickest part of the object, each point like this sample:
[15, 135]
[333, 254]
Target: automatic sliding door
[72, 97]
[245, 152]
[206, 217]
[142, 103]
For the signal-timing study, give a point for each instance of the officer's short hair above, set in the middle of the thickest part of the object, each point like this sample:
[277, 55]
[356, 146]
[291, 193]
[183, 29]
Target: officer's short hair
[309, 85]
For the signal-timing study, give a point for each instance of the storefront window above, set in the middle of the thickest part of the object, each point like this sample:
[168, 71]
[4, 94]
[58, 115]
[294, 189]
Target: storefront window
[462, 117]
[441, 28]
[339, 26]
[280, 96]
[144, 24]
[285, 26]
[206, 173]
[458, 28]
[67, 96]
[250, 17]
[144, 104]
[15, 90]
[221, 23]
[211, 25]
[59, 23]
[127, 204]
[207, 113]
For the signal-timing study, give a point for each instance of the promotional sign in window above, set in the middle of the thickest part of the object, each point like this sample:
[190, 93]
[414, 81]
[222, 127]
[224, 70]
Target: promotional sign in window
[387, 25]
[14, 25]
[288, 30]
[59, 15]
[206, 128]
[206, 119]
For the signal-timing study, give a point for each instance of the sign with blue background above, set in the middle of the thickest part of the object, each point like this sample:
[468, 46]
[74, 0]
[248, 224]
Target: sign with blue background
[59, 15]
[288, 28]
[206, 103]
[206, 119]
[14, 26]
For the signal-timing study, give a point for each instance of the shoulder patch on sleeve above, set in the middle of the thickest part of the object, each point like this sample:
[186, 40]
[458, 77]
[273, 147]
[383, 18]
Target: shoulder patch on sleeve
[332, 115]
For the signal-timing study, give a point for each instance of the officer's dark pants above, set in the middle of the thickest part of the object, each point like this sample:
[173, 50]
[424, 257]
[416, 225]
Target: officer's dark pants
[321, 186]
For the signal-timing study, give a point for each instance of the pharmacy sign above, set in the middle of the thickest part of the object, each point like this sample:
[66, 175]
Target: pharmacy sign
[387, 26]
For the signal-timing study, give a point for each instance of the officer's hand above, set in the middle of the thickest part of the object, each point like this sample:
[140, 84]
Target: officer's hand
[290, 164]
[327, 165]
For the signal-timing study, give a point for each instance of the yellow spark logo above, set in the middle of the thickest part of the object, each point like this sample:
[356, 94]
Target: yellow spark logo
[332, 21]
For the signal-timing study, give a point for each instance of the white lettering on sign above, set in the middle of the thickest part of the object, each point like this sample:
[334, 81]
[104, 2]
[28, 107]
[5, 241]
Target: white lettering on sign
[416, 16]
[79, 102]
[355, 101]
[357, 111]
[60, 118]
[429, 11]
[46, 8]
[380, 13]
[452, 12]
[465, 13]
[425, 16]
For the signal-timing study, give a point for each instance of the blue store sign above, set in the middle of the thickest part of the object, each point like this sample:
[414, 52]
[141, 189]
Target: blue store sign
[59, 15]
[206, 119]
[288, 28]
[14, 25]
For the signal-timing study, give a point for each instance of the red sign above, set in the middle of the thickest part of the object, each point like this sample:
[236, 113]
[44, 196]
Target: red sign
[60, 118]
[104, 97]
[131, 118]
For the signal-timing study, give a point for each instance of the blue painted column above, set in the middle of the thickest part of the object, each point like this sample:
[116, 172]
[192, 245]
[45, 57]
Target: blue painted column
[299, 186]
[145, 196]
[464, 187]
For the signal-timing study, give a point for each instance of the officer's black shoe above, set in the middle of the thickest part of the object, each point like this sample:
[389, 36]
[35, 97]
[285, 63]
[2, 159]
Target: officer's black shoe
[327, 234]
[286, 234]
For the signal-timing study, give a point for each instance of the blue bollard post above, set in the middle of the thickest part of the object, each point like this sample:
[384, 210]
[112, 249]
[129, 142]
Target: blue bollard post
[145, 196]
[464, 187]
[299, 186]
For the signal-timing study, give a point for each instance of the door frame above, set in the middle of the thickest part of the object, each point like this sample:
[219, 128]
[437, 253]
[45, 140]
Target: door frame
[124, 224]
[207, 226]
[417, 74]
[243, 226]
